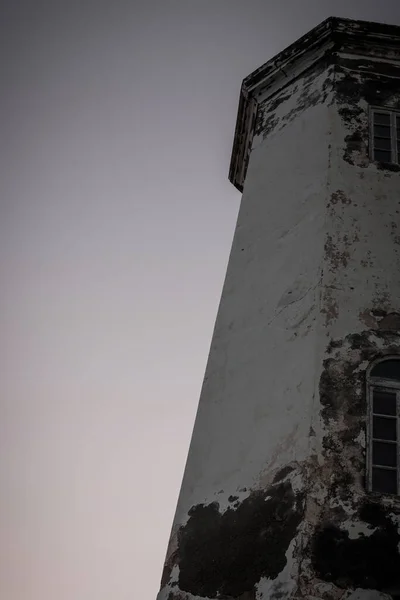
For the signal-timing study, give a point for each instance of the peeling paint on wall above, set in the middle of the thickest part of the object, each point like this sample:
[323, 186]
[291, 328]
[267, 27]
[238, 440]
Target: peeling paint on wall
[228, 554]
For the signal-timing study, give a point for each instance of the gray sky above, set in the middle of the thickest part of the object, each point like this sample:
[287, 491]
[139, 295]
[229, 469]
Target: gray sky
[117, 120]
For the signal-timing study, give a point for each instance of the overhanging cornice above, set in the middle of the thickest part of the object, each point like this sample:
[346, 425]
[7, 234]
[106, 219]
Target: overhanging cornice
[330, 36]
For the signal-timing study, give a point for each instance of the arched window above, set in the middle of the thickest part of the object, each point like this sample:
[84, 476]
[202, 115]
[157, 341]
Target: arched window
[383, 381]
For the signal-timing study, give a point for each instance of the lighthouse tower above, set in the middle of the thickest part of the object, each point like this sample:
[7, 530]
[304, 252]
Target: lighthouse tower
[292, 482]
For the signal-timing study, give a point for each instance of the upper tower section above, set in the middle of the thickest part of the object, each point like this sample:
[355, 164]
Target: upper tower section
[365, 63]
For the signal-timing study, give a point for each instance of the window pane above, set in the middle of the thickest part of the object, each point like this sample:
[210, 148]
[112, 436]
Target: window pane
[382, 131]
[382, 143]
[387, 369]
[382, 118]
[384, 454]
[384, 402]
[382, 155]
[384, 428]
[398, 126]
[384, 480]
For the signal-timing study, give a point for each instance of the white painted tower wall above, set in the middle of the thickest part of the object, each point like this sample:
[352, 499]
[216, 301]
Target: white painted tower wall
[312, 276]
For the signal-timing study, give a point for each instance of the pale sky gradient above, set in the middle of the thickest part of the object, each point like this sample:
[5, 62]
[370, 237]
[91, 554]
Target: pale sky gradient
[117, 119]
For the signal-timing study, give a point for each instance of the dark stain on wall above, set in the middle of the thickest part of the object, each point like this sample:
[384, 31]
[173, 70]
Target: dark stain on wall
[227, 554]
[338, 380]
[390, 322]
[375, 89]
[340, 197]
[368, 561]
[277, 100]
[309, 96]
[281, 474]
[351, 115]
[266, 125]
[333, 345]
[344, 411]
[342, 382]
[376, 83]
[337, 257]
[365, 561]
[354, 142]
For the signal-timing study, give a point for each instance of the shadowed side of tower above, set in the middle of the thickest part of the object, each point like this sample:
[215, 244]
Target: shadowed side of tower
[291, 487]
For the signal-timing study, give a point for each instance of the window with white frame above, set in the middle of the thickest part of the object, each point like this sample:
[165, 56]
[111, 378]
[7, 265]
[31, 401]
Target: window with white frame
[384, 427]
[385, 135]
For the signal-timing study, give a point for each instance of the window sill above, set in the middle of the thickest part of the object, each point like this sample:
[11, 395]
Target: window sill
[384, 166]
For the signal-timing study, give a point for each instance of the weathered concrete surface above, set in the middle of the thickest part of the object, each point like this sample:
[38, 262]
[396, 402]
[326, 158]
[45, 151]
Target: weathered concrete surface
[273, 503]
